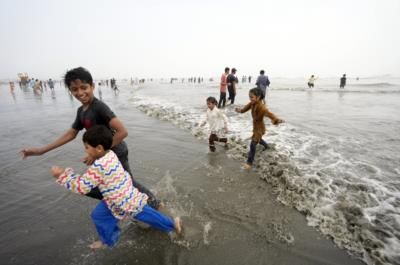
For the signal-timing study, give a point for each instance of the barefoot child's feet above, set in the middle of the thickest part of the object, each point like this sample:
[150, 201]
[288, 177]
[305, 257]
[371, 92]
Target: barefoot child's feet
[97, 245]
[161, 206]
[178, 225]
[246, 166]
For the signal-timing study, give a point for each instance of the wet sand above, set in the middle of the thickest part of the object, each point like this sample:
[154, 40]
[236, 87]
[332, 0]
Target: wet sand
[230, 216]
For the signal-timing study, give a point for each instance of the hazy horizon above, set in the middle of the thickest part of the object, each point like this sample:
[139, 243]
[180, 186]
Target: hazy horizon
[162, 39]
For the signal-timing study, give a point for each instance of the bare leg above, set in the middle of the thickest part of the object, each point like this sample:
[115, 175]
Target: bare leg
[178, 225]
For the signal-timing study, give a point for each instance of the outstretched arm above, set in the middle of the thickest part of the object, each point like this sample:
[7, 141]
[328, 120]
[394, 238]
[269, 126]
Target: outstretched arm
[65, 138]
[244, 109]
[81, 184]
[275, 120]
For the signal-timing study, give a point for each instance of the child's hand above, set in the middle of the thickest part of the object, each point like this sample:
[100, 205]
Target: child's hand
[56, 171]
[278, 121]
[30, 152]
[238, 109]
[88, 160]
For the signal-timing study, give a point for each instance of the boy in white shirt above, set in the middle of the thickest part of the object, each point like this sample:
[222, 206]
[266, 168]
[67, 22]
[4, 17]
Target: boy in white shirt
[217, 122]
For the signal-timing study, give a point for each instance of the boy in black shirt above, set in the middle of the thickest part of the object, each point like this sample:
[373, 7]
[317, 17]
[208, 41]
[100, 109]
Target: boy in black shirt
[93, 112]
[232, 82]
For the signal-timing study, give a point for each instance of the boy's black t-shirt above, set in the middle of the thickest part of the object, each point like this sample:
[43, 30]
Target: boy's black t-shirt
[230, 80]
[98, 113]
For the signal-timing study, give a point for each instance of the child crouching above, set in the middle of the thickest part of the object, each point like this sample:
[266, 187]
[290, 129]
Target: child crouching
[120, 198]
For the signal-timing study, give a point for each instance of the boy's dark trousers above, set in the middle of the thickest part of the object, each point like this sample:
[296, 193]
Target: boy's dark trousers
[152, 201]
[232, 95]
[222, 99]
[213, 137]
[252, 152]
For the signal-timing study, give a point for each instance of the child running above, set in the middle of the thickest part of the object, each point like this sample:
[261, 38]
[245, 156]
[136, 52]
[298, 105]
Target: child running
[120, 198]
[218, 123]
[93, 112]
[258, 111]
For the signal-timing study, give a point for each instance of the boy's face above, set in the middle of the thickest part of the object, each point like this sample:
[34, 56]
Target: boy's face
[94, 152]
[253, 98]
[82, 91]
[210, 105]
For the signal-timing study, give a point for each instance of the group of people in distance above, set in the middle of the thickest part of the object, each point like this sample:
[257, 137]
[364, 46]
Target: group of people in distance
[312, 79]
[218, 122]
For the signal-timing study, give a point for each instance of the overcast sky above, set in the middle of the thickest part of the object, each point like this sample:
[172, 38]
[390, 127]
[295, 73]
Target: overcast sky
[287, 38]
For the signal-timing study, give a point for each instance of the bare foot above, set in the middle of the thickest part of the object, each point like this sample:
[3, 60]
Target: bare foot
[97, 245]
[246, 166]
[178, 225]
[161, 206]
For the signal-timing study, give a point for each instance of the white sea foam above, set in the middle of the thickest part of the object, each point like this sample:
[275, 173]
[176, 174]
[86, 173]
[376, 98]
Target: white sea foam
[344, 196]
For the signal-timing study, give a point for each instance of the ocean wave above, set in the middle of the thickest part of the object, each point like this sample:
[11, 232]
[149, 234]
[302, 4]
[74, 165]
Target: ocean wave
[383, 84]
[349, 89]
[359, 213]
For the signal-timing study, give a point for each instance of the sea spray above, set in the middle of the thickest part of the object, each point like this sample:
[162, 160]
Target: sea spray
[336, 206]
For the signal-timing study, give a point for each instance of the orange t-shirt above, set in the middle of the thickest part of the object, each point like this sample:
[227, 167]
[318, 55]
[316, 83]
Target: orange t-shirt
[222, 87]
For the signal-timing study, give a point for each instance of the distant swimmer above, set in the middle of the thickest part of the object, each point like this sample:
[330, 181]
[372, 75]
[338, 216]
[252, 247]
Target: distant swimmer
[343, 81]
[311, 81]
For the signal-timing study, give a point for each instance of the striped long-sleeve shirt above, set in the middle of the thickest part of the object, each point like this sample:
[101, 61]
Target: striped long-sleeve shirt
[114, 183]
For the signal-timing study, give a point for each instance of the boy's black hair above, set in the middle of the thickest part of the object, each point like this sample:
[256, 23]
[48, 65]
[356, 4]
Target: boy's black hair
[78, 73]
[256, 92]
[227, 69]
[98, 135]
[212, 100]
[233, 70]
[262, 72]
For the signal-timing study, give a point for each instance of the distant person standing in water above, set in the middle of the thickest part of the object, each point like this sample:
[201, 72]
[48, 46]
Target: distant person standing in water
[262, 83]
[222, 88]
[343, 81]
[311, 81]
[232, 83]
[51, 84]
[100, 92]
[12, 86]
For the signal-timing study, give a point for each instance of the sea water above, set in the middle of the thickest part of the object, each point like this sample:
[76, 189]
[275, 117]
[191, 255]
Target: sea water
[336, 159]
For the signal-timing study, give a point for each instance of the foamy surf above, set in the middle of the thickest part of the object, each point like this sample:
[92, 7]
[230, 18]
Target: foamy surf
[336, 193]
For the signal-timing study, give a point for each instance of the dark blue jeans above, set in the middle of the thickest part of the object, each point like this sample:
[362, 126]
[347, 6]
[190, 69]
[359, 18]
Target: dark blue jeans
[252, 152]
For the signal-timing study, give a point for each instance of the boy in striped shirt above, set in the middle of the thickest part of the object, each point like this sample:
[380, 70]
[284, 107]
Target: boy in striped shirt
[120, 198]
